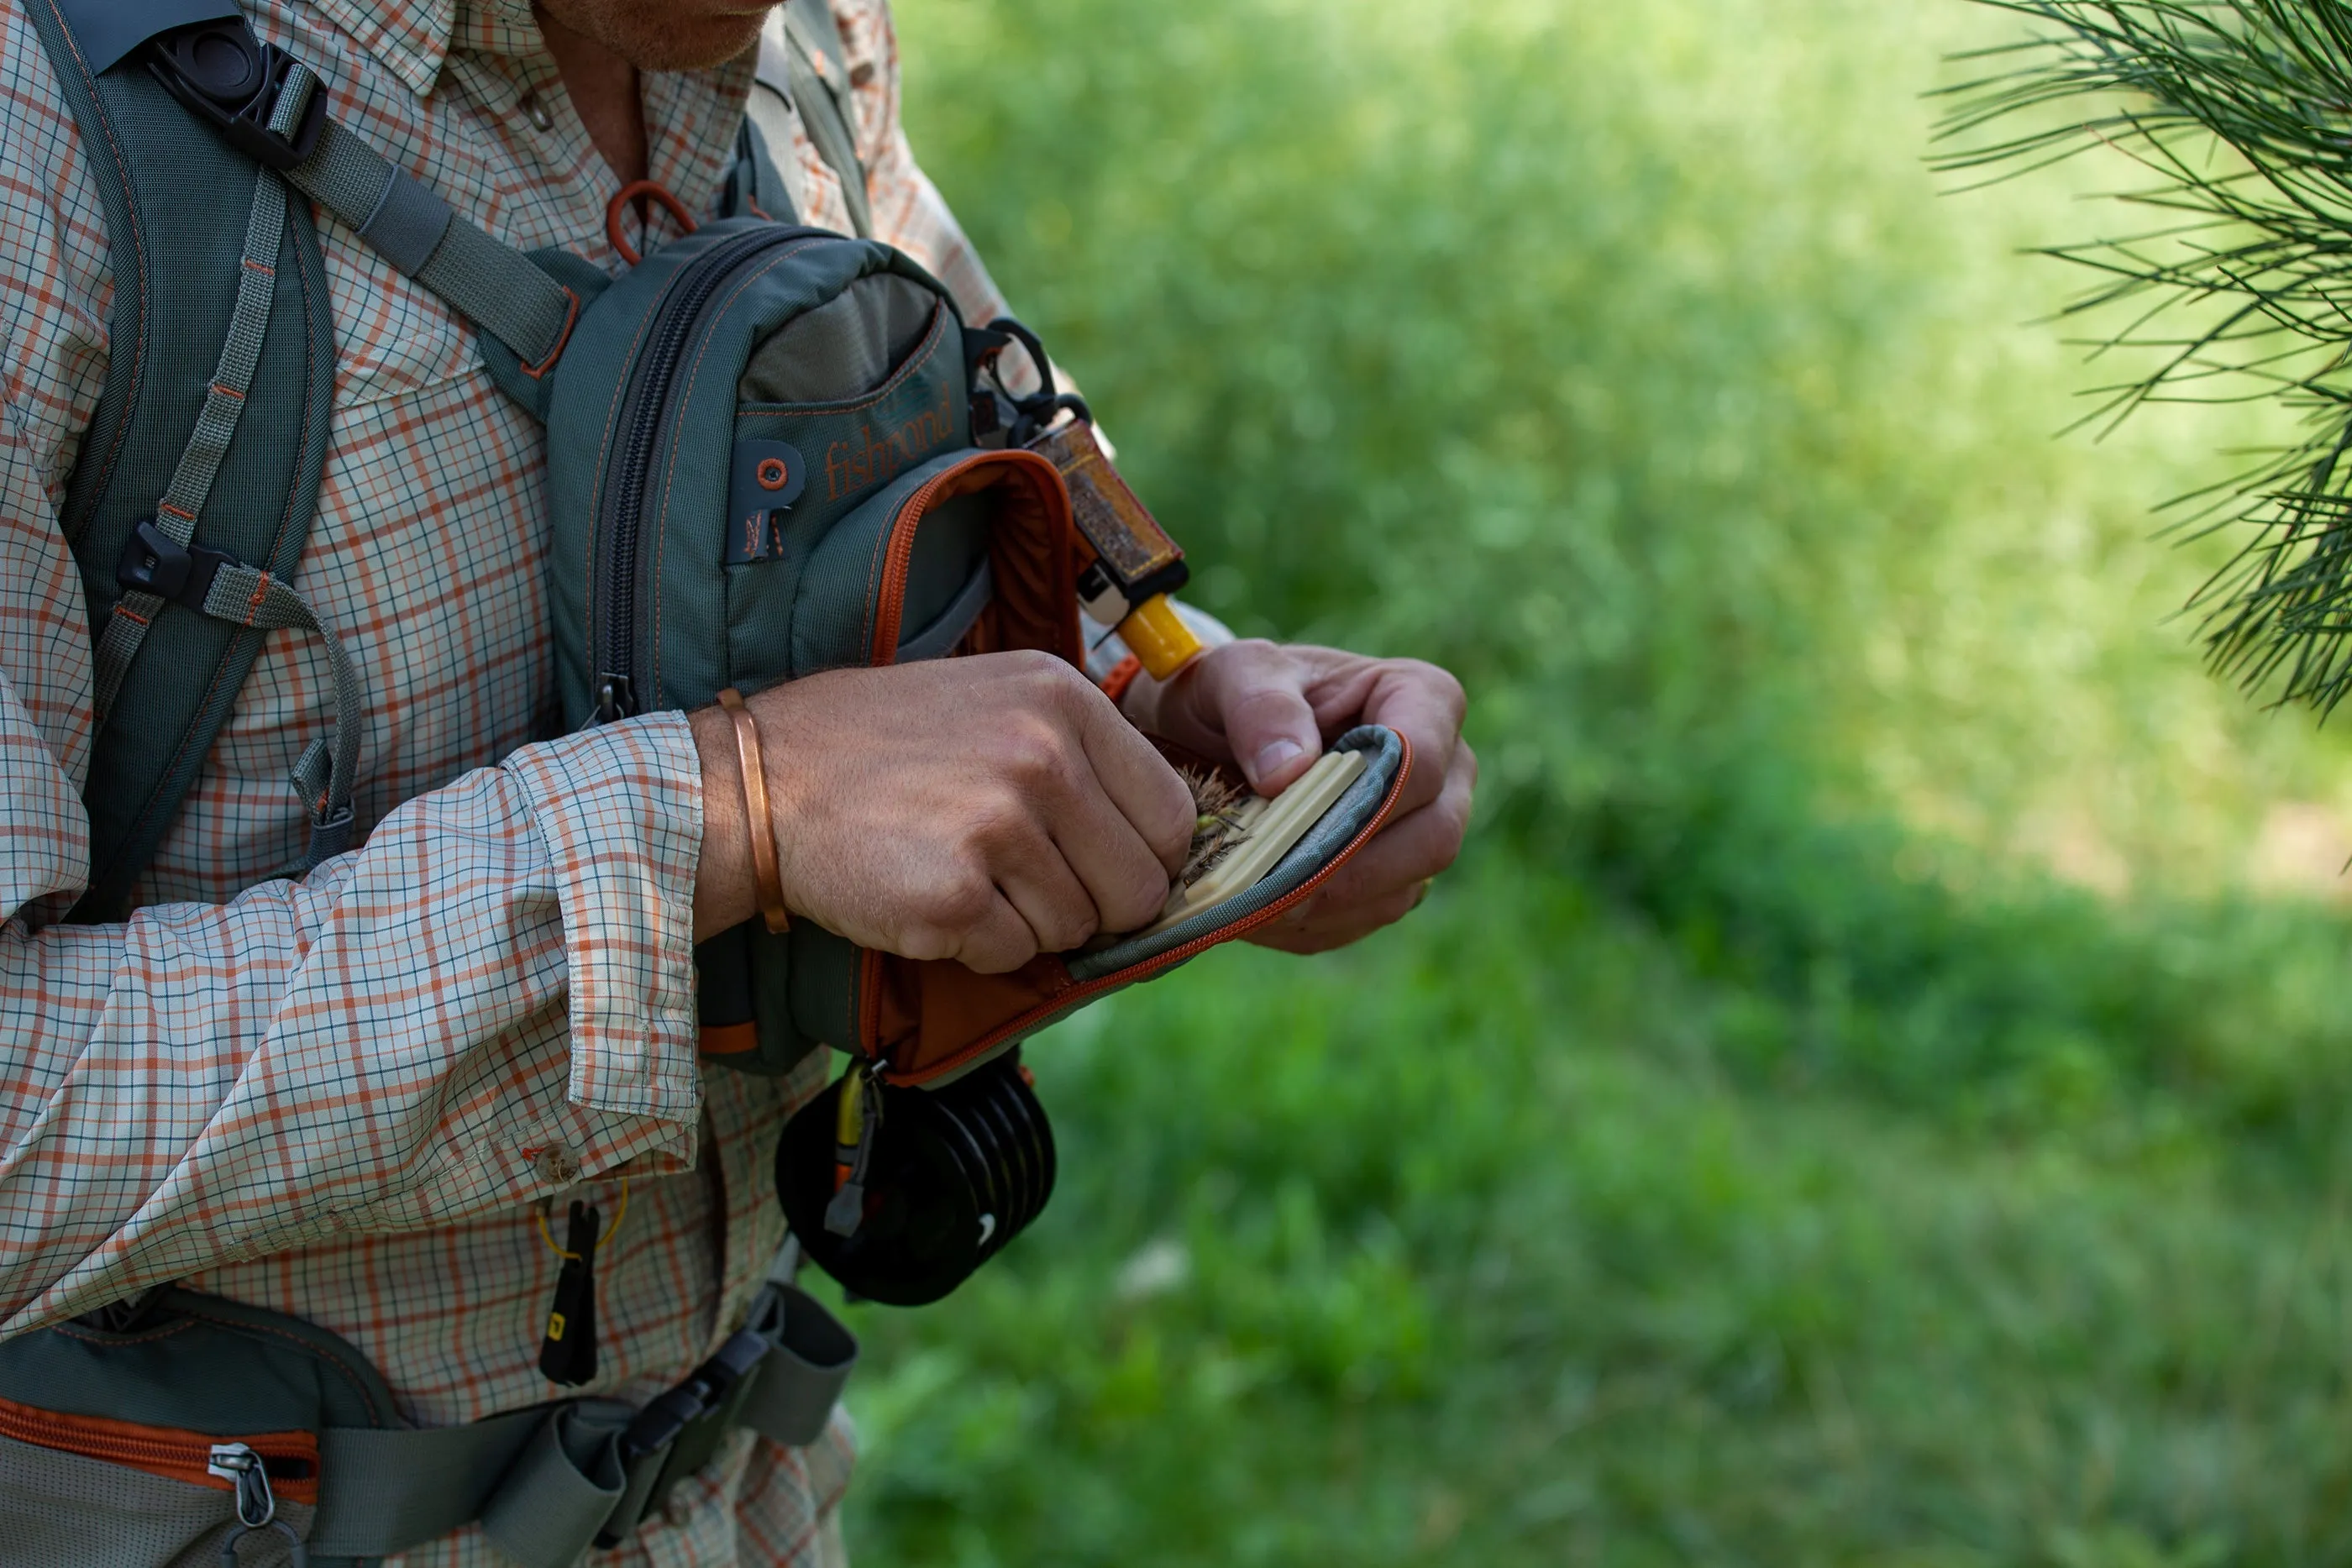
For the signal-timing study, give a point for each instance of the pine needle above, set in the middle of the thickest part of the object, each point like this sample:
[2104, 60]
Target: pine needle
[2239, 114]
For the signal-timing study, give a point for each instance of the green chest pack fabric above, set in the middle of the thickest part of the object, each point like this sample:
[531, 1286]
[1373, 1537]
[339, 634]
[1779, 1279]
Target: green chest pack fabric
[772, 450]
[763, 465]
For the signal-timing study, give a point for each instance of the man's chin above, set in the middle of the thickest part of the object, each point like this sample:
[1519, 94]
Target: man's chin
[662, 36]
[691, 46]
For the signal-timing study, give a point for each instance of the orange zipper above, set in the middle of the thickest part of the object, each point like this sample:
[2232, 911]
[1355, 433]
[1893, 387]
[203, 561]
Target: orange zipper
[892, 610]
[290, 1459]
[1076, 994]
[887, 617]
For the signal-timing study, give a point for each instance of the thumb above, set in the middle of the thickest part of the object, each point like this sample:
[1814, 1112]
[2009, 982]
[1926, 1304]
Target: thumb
[1255, 694]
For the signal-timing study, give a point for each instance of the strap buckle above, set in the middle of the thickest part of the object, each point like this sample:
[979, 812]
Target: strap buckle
[226, 74]
[153, 561]
[661, 1422]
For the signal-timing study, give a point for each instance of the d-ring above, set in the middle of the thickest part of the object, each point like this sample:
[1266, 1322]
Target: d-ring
[630, 192]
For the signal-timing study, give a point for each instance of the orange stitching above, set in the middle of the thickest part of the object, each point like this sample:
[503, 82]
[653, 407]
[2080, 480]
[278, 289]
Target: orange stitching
[612, 415]
[296, 497]
[317, 1351]
[789, 249]
[147, 1337]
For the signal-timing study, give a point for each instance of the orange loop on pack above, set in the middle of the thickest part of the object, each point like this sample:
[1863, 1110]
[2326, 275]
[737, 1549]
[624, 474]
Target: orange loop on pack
[630, 192]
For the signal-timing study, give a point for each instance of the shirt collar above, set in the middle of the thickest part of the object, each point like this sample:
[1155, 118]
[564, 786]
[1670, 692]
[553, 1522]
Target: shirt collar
[411, 38]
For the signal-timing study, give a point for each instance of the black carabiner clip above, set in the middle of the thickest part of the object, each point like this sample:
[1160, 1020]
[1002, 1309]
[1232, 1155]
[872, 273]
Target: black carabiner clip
[300, 1551]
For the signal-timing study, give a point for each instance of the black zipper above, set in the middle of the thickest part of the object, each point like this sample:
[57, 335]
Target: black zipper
[689, 291]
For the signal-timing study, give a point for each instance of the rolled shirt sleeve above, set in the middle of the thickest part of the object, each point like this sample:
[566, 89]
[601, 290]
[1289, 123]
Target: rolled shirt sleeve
[487, 1002]
[490, 1001]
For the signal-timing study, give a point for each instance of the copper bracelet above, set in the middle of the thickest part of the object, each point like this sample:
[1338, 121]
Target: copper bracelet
[755, 803]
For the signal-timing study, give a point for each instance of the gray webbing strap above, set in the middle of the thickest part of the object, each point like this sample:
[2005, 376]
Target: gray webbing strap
[804, 1370]
[543, 1482]
[490, 283]
[818, 79]
[200, 460]
[250, 597]
[243, 595]
[563, 1489]
[546, 1481]
[382, 1489]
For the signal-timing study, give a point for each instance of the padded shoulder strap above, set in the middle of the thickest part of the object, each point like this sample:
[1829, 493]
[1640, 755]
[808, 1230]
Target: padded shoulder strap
[178, 204]
[800, 56]
[105, 30]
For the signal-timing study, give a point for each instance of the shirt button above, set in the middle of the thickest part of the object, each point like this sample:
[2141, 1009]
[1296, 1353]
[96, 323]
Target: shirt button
[536, 112]
[558, 1164]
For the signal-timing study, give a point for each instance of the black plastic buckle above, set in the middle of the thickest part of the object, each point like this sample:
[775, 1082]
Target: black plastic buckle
[224, 74]
[153, 561]
[668, 1415]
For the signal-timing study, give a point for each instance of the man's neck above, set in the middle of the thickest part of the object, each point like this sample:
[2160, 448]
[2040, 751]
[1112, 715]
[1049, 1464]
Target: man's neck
[604, 88]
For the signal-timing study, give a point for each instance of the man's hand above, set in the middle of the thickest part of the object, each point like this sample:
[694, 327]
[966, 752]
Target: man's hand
[1272, 708]
[982, 809]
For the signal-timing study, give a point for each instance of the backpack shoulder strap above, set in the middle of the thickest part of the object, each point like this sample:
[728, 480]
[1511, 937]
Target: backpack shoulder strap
[217, 279]
[800, 58]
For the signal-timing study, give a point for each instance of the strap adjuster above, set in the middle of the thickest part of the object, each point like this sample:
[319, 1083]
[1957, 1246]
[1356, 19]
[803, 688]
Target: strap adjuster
[661, 1421]
[226, 74]
[153, 561]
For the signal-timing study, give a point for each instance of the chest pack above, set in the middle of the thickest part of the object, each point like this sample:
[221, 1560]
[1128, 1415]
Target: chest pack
[771, 450]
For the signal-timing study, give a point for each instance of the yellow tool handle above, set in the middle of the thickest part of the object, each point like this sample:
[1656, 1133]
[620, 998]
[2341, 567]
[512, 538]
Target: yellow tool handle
[1158, 636]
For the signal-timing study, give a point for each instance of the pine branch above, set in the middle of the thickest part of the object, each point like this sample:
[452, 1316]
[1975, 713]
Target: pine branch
[2239, 114]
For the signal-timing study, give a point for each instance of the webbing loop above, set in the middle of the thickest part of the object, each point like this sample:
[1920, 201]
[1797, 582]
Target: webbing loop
[162, 565]
[273, 108]
[192, 479]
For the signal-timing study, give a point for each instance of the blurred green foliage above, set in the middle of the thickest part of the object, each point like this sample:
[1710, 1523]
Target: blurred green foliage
[1856, 1101]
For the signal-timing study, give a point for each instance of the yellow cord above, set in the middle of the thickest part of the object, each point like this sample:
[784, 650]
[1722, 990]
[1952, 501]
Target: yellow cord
[568, 1256]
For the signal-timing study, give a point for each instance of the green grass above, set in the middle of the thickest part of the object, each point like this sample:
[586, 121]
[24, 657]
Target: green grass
[1854, 1104]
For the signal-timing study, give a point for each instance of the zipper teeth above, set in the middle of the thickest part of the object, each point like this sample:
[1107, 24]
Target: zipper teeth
[184, 1458]
[179, 1456]
[694, 285]
[1077, 994]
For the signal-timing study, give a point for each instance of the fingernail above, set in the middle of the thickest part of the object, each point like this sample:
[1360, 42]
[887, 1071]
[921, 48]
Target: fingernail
[1271, 757]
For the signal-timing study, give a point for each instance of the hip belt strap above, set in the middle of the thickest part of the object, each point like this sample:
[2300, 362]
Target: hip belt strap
[549, 1482]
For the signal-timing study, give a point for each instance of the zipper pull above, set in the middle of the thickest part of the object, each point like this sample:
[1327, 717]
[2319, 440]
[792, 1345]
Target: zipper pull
[615, 699]
[860, 1118]
[567, 1355]
[257, 1506]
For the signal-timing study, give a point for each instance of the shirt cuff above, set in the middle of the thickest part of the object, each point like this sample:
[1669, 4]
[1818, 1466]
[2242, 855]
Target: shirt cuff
[619, 809]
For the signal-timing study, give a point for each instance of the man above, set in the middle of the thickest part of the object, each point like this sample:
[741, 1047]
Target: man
[348, 1096]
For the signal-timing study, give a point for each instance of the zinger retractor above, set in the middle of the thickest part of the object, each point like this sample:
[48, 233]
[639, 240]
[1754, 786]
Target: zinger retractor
[901, 1193]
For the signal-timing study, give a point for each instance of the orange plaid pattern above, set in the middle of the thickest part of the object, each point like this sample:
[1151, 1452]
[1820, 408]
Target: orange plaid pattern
[342, 1096]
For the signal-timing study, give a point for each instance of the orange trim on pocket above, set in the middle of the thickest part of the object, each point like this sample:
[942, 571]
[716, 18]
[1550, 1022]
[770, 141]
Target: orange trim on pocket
[173, 1453]
[730, 1038]
[1042, 988]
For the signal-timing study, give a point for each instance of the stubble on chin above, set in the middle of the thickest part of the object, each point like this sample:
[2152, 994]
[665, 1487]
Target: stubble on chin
[665, 35]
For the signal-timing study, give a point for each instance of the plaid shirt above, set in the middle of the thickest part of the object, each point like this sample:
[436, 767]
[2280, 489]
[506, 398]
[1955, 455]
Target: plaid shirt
[345, 1097]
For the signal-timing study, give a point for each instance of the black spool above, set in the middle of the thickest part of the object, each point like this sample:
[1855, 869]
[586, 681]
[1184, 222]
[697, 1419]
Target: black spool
[954, 1176]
